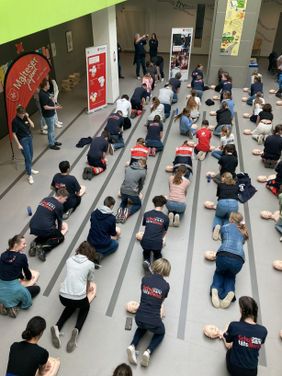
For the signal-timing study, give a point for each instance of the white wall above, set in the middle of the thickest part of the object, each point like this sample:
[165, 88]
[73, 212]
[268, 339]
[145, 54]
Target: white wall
[267, 25]
[160, 16]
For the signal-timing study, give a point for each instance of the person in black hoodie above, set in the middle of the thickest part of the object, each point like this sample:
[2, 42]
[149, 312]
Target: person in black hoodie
[273, 147]
[13, 267]
[103, 233]
[223, 117]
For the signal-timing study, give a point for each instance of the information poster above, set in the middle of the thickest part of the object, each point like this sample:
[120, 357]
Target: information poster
[180, 52]
[233, 27]
[96, 68]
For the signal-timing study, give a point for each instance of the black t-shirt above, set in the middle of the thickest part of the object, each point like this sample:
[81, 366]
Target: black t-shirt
[264, 115]
[153, 44]
[226, 86]
[247, 340]
[114, 123]
[21, 127]
[278, 169]
[175, 84]
[138, 94]
[25, 359]
[228, 163]
[154, 289]
[139, 48]
[225, 191]
[48, 213]
[272, 147]
[154, 131]
[223, 116]
[98, 146]
[156, 224]
[13, 265]
[45, 99]
[66, 181]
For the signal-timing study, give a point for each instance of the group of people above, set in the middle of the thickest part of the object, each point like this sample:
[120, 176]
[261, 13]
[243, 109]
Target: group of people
[48, 222]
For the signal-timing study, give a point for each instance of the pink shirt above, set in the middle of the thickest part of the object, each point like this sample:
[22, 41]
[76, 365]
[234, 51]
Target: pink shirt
[177, 192]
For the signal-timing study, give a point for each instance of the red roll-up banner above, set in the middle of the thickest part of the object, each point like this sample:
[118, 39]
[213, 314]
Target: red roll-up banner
[21, 81]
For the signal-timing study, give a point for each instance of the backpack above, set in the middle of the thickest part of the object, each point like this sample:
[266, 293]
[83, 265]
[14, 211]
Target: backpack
[246, 189]
[209, 102]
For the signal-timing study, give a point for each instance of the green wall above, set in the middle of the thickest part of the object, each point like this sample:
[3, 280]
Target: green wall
[23, 17]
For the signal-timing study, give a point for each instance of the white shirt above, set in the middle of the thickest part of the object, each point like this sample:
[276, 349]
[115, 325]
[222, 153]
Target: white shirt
[158, 111]
[166, 95]
[124, 106]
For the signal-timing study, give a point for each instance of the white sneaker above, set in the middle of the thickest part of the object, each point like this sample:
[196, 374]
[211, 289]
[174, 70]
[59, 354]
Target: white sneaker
[34, 172]
[176, 222]
[145, 358]
[43, 131]
[171, 218]
[59, 125]
[214, 298]
[216, 232]
[162, 79]
[131, 353]
[45, 127]
[59, 122]
[30, 179]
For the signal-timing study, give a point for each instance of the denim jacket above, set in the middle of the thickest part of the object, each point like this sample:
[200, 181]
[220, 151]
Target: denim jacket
[185, 124]
[232, 240]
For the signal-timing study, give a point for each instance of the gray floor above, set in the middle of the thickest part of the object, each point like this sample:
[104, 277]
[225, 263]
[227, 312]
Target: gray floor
[103, 340]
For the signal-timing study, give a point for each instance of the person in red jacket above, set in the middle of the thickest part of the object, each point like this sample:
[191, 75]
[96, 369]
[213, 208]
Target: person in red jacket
[139, 151]
[183, 157]
[204, 136]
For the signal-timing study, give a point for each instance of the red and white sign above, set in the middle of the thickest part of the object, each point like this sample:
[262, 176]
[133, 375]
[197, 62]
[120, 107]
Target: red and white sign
[21, 81]
[96, 67]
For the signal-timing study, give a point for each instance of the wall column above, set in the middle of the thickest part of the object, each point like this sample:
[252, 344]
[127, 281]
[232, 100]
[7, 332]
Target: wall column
[105, 32]
[237, 66]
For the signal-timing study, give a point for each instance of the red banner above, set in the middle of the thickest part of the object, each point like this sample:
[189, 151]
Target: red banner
[96, 69]
[21, 81]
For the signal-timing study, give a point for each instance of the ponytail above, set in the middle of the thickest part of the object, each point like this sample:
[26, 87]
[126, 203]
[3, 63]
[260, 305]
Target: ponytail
[184, 112]
[35, 327]
[178, 177]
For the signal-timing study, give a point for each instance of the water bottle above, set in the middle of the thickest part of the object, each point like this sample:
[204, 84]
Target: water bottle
[208, 178]
[29, 211]
[176, 111]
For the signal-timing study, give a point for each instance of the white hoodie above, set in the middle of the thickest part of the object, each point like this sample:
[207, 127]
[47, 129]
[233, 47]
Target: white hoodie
[79, 271]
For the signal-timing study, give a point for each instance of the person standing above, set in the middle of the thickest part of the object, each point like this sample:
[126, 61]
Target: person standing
[22, 135]
[139, 56]
[153, 45]
[54, 92]
[154, 290]
[119, 64]
[49, 108]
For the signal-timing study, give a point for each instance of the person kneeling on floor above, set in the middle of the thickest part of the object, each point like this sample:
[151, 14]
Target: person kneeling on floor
[103, 233]
[204, 136]
[114, 127]
[75, 190]
[130, 190]
[13, 268]
[154, 136]
[47, 224]
[96, 156]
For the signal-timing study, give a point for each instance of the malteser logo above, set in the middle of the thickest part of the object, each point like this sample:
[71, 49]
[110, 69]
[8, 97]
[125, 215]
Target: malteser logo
[13, 95]
[26, 76]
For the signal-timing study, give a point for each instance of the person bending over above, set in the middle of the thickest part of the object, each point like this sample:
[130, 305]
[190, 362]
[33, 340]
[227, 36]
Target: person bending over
[228, 162]
[13, 268]
[272, 147]
[103, 234]
[114, 128]
[175, 83]
[223, 117]
[156, 224]
[63, 179]
[154, 136]
[130, 190]
[139, 151]
[124, 105]
[204, 136]
[183, 157]
[230, 258]
[138, 98]
[154, 290]
[96, 156]
[226, 138]
[73, 293]
[47, 224]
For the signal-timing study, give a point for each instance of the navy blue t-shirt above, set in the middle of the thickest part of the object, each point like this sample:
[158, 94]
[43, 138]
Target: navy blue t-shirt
[156, 224]
[197, 72]
[256, 87]
[175, 84]
[198, 85]
[48, 213]
[154, 290]
[98, 146]
[138, 94]
[21, 127]
[154, 131]
[247, 340]
[227, 86]
[70, 183]
[45, 99]
[114, 123]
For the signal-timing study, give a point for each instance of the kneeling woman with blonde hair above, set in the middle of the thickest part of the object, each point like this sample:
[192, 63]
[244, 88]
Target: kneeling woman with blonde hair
[154, 290]
[230, 258]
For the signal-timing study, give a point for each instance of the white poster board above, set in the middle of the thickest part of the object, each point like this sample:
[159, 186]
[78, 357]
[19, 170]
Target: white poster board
[180, 51]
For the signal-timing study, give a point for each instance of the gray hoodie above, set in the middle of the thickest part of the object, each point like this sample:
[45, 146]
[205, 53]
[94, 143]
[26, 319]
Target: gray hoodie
[80, 270]
[134, 179]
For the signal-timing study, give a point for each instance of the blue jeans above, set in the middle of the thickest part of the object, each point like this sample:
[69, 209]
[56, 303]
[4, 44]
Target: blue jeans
[223, 209]
[117, 141]
[155, 144]
[250, 100]
[167, 109]
[27, 151]
[176, 207]
[175, 98]
[278, 226]
[159, 333]
[217, 130]
[136, 203]
[50, 121]
[217, 154]
[111, 248]
[225, 274]
[199, 93]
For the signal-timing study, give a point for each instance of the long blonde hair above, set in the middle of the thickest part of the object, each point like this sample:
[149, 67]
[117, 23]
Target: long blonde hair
[227, 178]
[178, 177]
[156, 103]
[191, 103]
[237, 218]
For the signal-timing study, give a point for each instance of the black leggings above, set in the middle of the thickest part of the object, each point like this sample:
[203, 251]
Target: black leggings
[33, 290]
[237, 371]
[147, 254]
[71, 305]
[49, 239]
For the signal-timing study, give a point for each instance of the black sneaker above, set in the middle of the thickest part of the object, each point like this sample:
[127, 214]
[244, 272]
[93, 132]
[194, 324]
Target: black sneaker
[85, 173]
[124, 215]
[90, 174]
[32, 249]
[41, 254]
[146, 265]
[119, 215]
[54, 147]
[58, 143]
[12, 312]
